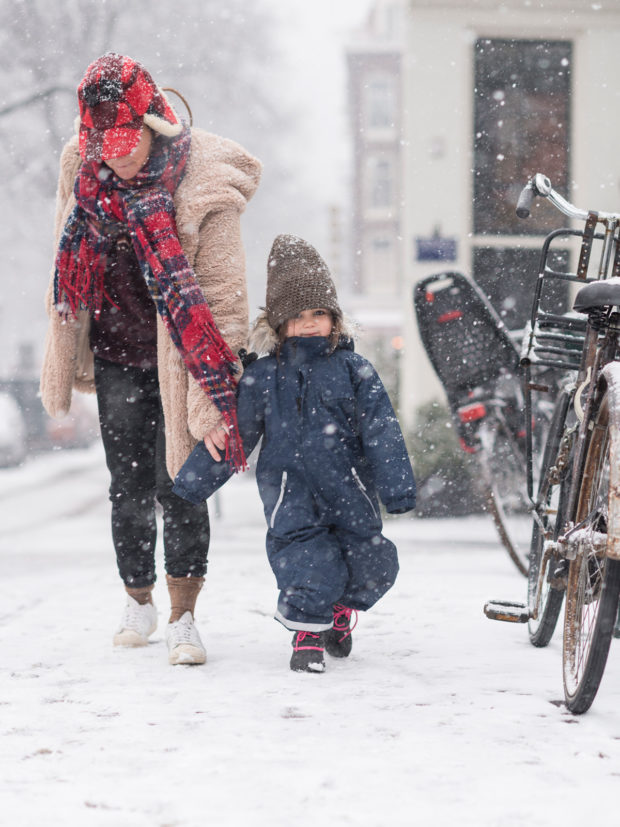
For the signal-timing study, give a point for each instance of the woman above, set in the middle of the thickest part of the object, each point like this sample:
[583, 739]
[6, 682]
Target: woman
[147, 308]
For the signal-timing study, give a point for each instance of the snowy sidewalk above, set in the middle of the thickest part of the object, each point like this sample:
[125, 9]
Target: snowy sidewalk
[439, 717]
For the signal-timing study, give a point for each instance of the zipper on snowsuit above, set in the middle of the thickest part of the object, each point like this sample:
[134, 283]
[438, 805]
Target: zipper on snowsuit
[362, 488]
[280, 498]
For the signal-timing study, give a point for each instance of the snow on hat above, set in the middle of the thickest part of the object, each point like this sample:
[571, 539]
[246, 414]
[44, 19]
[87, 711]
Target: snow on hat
[116, 97]
[297, 279]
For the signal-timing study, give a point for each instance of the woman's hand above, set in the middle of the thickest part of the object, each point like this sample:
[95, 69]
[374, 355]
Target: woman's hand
[215, 441]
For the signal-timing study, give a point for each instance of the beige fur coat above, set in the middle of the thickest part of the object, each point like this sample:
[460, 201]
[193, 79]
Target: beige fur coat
[219, 180]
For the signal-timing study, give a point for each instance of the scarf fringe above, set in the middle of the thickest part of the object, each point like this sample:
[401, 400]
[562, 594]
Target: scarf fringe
[235, 455]
[80, 268]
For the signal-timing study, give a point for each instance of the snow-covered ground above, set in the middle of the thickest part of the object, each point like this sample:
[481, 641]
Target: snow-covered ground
[439, 717]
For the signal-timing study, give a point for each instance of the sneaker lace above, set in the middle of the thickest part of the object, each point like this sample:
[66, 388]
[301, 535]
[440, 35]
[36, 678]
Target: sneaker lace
[342, 620]
[183, 633]
[135, 615]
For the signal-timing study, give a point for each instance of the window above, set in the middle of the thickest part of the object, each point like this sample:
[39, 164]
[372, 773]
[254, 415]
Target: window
[381, 265]
[522, 126]
[380, 98]
[508, 278]
[380, 183]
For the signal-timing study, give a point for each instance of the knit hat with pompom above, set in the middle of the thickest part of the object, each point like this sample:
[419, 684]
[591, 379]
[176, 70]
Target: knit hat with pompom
[297, 279]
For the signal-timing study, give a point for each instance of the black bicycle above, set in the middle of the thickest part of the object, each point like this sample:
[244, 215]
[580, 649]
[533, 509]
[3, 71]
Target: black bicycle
[477, 361]
[575, 545]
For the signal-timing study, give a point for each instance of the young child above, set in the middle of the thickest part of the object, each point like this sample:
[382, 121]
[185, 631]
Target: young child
[331, 445]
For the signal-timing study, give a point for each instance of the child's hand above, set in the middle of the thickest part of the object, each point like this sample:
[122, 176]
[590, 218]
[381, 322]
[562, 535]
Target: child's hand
[215, 441]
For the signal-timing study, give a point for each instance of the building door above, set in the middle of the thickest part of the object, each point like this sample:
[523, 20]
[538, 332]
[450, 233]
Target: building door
[522, 123]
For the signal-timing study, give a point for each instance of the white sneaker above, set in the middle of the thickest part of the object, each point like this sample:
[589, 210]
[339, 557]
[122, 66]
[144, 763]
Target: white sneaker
[184, 644]
[139, 621]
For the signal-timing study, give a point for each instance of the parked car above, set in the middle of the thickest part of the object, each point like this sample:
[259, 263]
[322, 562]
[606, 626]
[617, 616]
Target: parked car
[79, 428]
[13, 435]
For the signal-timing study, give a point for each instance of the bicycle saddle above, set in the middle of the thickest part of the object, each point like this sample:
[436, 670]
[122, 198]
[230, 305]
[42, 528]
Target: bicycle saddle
[597, 294]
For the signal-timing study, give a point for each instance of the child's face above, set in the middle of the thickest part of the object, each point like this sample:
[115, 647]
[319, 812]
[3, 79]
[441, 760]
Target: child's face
[314, 322]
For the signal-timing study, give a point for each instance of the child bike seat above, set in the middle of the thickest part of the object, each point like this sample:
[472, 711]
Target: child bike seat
[467, 344]
[464, 338]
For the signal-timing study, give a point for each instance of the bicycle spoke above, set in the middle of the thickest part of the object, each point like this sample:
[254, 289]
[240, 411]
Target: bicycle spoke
[504, 467]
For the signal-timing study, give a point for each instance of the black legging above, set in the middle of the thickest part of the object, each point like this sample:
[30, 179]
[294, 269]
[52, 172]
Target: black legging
[132, 429]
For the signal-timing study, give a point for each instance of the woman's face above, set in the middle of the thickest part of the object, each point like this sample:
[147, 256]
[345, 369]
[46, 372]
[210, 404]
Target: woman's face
[126, 166]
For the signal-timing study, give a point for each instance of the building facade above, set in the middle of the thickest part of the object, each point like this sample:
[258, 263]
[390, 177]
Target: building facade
[375, 287]
[490, 92]
[495, 92]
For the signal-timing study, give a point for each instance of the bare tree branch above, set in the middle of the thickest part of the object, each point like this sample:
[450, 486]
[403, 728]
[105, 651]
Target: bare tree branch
[34, 98]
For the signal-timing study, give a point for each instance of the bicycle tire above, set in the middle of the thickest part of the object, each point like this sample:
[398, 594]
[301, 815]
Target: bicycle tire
[552, 496]
[506, 493]
[500, 520]
[593, 580]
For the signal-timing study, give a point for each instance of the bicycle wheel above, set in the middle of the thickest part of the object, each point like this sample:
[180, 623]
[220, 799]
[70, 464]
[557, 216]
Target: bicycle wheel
[552, 496]
[593, 579]
[506, 491]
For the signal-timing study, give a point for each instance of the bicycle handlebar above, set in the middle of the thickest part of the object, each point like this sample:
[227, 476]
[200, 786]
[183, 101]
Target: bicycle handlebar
[540, 185]
[524, 204]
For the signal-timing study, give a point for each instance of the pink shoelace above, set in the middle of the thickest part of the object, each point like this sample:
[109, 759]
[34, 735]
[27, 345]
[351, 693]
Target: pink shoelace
[301, 636]
[342, 620]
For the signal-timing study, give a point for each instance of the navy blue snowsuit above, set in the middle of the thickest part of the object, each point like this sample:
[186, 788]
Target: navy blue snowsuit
[331, 444]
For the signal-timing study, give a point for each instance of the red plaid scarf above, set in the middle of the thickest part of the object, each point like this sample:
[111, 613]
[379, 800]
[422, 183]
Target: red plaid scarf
[145, 206]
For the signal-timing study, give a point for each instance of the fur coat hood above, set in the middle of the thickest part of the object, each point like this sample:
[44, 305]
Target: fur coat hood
[220, 178]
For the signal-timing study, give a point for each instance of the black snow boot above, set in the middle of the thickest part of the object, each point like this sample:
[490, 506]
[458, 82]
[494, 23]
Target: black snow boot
[308, 648]
[338, 640]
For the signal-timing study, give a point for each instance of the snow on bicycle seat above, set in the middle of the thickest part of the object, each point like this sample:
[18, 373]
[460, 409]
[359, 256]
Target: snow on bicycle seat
[597, 294]
[466, 341]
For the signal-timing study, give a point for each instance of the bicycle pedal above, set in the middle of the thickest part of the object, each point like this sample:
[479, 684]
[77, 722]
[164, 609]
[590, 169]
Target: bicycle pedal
[504, 610]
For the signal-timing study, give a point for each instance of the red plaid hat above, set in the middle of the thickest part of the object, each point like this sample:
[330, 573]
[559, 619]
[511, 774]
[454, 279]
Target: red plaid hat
[116, 97]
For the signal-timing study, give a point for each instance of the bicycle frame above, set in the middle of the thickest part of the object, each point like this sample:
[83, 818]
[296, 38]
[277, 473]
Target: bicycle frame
[611, 372]
[575, 548]
[596, 355]
[563, 342]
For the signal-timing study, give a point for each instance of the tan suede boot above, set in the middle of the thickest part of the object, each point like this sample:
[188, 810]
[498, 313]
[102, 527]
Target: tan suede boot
[184, 644]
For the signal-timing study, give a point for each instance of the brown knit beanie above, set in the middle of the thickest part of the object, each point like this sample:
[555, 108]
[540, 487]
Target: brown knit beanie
[297, 279]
